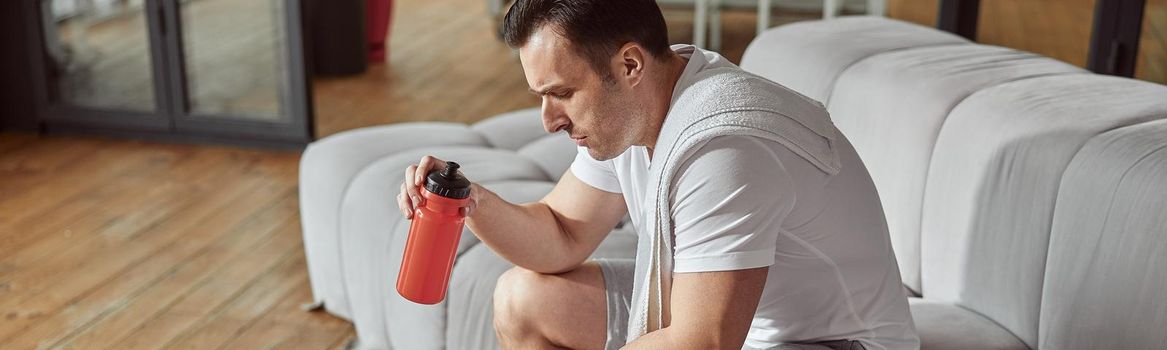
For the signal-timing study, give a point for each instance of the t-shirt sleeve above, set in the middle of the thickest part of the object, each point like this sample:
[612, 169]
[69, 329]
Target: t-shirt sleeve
[598, 174]
[730, 198]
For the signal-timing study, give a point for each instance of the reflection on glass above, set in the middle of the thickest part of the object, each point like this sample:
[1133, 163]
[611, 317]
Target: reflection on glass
[97, 53]
[1056, 28]
[1152, 61]
[234, 53]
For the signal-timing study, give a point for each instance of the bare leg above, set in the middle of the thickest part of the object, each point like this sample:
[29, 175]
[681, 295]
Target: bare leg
[541, 311]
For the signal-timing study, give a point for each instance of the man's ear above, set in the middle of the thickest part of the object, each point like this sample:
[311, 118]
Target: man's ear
[629, 63]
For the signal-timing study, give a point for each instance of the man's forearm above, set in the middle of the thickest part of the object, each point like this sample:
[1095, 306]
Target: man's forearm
[528, 235]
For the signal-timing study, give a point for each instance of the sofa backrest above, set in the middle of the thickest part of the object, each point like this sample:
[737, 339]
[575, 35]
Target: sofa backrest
[806, 56]
[966, 144]
[892, 107]
[809, 57]
[994, 180]
[1106, 275]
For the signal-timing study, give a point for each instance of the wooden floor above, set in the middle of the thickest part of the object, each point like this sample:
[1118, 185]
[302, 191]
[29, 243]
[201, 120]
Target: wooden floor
[111, 244]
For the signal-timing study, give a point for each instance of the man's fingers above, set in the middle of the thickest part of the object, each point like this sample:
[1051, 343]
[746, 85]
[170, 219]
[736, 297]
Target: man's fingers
[423, 167]
[410, 172]
[410, 196]
[411, 188]
[404, 203]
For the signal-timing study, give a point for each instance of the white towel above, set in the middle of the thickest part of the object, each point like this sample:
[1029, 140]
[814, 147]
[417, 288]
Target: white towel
[722, 100]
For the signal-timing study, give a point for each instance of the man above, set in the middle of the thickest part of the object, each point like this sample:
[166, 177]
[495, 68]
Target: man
[759, 226]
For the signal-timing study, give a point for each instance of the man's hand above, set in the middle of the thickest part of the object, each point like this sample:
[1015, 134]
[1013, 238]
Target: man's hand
[552, 235]
[410, 195]
[708, 310]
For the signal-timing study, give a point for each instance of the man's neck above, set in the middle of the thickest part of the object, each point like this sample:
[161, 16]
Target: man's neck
[672, 70]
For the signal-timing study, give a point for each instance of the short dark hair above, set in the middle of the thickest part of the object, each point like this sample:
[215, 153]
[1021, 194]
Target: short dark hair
[594, 28]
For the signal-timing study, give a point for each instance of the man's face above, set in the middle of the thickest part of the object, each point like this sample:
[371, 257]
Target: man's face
[597, 113]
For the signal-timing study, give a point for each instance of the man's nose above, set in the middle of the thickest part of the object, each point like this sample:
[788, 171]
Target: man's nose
[554, 119]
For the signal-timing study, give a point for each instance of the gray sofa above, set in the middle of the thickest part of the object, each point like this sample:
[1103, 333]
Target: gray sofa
[1026, 198]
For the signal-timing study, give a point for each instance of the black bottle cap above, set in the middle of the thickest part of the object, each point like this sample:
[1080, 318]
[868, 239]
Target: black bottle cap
[448, 182]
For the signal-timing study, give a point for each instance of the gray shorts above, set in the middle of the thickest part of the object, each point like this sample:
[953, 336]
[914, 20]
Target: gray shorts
[618, 278]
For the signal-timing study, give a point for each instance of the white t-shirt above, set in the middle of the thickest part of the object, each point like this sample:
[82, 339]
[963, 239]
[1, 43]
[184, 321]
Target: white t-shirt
[741, 202]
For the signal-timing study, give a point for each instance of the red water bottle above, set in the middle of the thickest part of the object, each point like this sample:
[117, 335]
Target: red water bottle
[433, 236]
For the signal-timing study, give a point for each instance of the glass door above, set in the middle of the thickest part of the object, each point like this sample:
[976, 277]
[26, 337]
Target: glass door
[240, 70]
[229, 70]
[100, 64]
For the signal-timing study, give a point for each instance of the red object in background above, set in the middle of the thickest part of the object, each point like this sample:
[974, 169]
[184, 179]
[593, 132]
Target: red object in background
[378, 14]
[433, 237]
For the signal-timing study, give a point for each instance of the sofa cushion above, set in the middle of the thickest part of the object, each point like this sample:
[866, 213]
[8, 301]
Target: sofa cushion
[469, 305]
[946, 326]
[511, 130]
[892, 106]
[808, 56]
[554, 153]
[1107, 271]
[994, 180]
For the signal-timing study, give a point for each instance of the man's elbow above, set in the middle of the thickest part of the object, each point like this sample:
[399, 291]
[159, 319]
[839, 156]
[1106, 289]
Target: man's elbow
[562, 262]
[705, 338]
[723, 341]
[558, 268]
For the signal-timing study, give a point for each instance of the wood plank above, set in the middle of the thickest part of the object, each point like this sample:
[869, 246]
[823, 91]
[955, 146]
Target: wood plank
[116, 293]
[228, 285]
[241, 312]
[38, 163]
[11, 141]
[285, 326]
[344, 342]
[84, 182]
[112, 216]
[109, 256]
[245, 238]
[104, 223]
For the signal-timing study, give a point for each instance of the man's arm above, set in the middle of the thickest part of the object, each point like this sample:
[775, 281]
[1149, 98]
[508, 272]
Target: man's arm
[553, 235]
[708, 310]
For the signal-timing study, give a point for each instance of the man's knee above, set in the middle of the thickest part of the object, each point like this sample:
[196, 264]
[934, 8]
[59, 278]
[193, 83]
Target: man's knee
[515, 289]
[529, 308]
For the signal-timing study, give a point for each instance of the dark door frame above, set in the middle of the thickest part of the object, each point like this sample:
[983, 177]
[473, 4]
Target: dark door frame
[1114, 38]
[959, 17]
[237, 125]
[52, 113]
[172, 120]
[1114, 41]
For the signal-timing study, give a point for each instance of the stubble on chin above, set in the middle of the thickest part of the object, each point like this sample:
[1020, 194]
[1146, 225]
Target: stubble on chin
[604, 153]
[600, 156]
